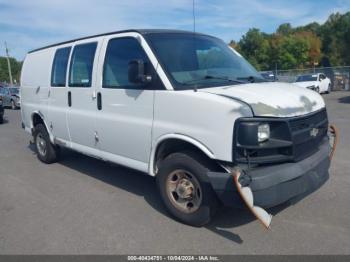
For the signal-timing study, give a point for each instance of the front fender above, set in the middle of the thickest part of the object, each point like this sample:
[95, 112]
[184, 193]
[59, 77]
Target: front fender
[182, 137]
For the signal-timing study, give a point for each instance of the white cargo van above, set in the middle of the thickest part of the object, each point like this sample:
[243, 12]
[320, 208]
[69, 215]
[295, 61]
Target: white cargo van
[183, 107]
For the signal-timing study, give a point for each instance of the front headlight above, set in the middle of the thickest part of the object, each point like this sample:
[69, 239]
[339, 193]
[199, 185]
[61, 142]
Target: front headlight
[263, 132]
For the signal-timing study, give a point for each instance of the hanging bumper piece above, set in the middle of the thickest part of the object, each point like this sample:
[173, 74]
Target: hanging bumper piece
[333, 134]
[247, 195]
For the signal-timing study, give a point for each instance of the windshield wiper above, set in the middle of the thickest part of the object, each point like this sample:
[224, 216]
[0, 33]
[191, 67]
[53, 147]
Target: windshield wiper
[213, 77]
[252, 79]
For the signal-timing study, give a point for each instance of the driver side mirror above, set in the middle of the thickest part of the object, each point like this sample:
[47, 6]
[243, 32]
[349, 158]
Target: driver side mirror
[136, 72]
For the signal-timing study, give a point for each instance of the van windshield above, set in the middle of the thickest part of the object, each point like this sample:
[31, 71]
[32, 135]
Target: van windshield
[199, 61]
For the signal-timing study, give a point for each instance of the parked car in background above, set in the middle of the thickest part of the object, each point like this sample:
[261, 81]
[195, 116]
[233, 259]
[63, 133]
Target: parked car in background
[268, 75]
[317, 82]
[10, 97]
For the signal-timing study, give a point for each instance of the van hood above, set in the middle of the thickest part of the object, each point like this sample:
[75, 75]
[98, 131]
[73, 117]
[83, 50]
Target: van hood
[272, 99]
[306, 83]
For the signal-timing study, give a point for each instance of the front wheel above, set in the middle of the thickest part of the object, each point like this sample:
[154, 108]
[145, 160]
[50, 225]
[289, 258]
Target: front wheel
[46, 151]
[186, 190]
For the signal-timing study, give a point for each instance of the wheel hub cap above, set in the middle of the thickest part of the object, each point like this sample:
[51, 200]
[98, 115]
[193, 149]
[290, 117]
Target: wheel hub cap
[41, 145]
[184, 191]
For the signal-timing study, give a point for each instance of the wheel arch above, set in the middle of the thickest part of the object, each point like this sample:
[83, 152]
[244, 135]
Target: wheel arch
[172, 143]
[38, 118]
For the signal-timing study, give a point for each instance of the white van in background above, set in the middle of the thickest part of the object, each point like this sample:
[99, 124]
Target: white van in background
[182, 107]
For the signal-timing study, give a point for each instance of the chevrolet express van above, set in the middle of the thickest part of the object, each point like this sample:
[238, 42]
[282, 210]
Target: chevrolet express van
[183, 107]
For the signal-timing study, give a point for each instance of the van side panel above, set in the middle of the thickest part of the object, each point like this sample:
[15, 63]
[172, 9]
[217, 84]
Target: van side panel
[35, 83]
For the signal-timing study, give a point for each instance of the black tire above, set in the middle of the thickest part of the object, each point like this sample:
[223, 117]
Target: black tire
[1, 119]
[196, 166]
[51, 153]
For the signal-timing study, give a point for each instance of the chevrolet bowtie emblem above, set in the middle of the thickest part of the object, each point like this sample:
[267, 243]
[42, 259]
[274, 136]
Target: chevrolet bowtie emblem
[314, 132]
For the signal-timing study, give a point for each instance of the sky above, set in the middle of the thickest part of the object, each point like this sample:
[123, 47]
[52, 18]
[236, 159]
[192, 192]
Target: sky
[30, 24]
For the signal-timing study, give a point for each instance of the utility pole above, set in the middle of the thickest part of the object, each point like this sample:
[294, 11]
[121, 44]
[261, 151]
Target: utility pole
[8, 64]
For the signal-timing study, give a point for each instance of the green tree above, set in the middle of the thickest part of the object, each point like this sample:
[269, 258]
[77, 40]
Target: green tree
[288, 51]
[254, 45]
[314, 46]
[312, 27]
[15, 68]
[335, 35]
[299, 47]
[285, 29]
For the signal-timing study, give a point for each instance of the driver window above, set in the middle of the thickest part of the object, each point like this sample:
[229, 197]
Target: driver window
[120, 51]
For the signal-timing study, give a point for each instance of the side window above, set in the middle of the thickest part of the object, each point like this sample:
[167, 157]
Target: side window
[59, 67]
[120, 51]
[82, 61]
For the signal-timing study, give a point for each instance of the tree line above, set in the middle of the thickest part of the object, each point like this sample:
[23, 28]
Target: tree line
[15, 68]
[306, 46]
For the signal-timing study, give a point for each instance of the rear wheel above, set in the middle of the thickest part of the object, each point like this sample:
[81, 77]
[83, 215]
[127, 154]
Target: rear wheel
[185, 188]
[46, 151]
[1, 119]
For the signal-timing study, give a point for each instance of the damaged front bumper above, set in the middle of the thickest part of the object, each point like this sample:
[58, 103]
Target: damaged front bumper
[275, 184]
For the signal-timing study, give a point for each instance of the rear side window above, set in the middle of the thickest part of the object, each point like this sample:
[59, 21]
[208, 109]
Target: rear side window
[81, 65]
[59, 67]
[120, 51]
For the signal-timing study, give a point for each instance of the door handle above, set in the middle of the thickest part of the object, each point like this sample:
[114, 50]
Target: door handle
[69, 98]
[99, 101]
[93, 95]
[37, 89]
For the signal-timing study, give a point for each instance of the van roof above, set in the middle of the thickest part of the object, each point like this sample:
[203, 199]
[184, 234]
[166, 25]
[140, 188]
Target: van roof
[140, 31]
